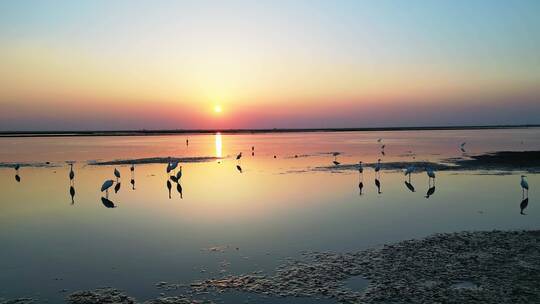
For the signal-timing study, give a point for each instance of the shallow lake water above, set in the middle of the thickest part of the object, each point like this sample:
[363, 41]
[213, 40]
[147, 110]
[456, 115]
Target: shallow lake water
[232, 221]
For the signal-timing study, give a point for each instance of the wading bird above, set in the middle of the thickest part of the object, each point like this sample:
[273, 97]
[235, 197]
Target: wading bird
[71, 173]
[378, 166]
[524, 185]
[117, 174]
[106, 185]
[132, 169]
[430, 173]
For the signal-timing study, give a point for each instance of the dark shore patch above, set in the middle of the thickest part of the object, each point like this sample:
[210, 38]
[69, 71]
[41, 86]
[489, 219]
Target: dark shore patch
[155, 160]
[29, 165]
[18, 301]
[466, 267]
[503, 161]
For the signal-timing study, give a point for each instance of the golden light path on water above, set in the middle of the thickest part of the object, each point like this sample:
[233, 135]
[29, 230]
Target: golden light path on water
[218, 145]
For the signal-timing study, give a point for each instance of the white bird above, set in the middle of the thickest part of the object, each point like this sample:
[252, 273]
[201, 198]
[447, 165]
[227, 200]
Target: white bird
[430, 172]
[116, 173]
[378, 166]
[106, 185]
[524, 184]
[409, 170]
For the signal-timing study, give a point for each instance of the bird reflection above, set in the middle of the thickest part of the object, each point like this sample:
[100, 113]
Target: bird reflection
[179, 189]
[72, 194]
[378, 185]
[431, 190]
[117, 187]
[169, 186]
[360, 177]
[239, 168]
[132, 181]
[17, 177]
[107, 203]
[523, 205]
[409, 186]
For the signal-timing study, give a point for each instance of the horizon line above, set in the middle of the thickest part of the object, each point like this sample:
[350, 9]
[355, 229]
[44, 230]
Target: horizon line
[150, 132]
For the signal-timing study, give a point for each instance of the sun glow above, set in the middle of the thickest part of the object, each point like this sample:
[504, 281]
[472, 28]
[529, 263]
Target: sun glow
[217, 109]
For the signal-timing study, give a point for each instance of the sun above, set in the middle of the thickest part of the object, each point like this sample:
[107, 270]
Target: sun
[217, 109]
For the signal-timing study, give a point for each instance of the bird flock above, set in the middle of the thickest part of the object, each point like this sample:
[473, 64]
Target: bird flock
[174, 172]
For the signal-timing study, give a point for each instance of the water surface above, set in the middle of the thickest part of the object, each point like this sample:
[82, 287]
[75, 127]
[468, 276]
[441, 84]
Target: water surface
[227, 221]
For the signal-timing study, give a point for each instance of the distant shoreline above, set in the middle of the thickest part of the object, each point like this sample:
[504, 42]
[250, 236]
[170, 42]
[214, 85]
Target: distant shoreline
[247, 131]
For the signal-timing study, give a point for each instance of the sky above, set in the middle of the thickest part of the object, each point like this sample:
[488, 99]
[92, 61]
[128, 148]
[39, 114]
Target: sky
[112, 64]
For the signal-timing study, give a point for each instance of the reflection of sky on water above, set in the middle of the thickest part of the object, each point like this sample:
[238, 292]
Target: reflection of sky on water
[268, 215]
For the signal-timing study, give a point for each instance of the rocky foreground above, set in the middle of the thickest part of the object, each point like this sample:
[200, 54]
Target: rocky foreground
[465, 267]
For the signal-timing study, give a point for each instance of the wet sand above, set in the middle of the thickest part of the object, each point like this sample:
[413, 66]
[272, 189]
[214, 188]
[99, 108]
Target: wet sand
[464, 267]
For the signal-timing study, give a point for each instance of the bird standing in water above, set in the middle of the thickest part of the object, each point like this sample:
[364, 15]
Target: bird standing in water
[71, 174]
[378, 166]
[117, 174]
[524, 186]
[106, 185]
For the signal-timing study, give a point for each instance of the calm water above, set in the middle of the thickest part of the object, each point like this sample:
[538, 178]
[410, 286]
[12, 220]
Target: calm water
[276, 208]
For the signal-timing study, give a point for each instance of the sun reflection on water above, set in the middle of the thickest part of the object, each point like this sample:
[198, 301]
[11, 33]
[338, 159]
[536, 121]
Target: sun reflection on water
[218, 145]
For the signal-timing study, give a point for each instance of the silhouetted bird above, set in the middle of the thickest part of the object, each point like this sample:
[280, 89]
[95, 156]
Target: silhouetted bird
[379, 140]
[107, 203]
[409, 186]
[17, 178]
[117, 187]
[360, 167]
[132, 168]
[71, 173]
[239, 168]
[523, 205]
[72, 194]
[430, 173]
[336, 163]
[132, 184]
[106, 185]
[430, 191]
[239, 156]
[17, 167]
[378, 165]
[378, 185]
[169, 186]
[117, 174]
